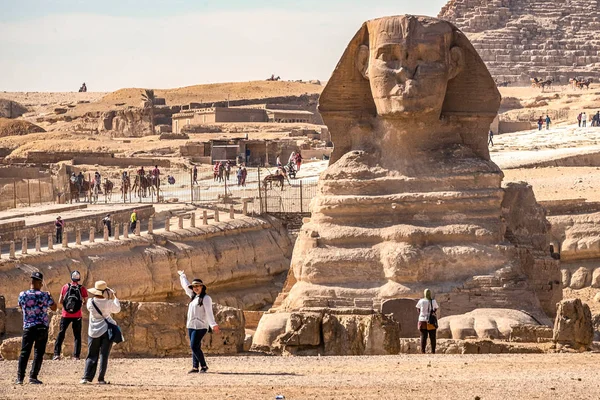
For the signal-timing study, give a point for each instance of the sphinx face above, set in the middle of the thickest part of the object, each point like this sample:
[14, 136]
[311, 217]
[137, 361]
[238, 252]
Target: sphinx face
[409, 69]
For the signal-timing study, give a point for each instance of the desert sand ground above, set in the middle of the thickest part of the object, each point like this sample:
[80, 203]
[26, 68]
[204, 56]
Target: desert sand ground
[485, 377]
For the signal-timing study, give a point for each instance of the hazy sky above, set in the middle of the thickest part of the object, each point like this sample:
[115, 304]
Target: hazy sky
[55, 45]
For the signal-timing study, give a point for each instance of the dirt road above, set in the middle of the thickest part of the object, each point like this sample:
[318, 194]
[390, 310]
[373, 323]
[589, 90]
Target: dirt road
[548, 376]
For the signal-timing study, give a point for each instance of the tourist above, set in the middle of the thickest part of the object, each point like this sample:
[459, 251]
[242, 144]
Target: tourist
[583, 119]
[298, 161]
[200, 319]
[80, 180]
[133, 218]
[97, 178]
[427, 306]
[244, 175]
[579, 120]
[72, 297]
[35, 304]
[227, 170]
[490, 138]
[124, 176]
[547, 122]
[195, 174]
[107, 223]
[216, 170]
[292, 157]
[540, 123]
[73, 178]
[278, 162]
[60, 225]
[221, 171]
[101, 306]
[239, 175]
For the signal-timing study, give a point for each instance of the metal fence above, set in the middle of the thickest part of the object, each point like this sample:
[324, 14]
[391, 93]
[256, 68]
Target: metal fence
[206, 189]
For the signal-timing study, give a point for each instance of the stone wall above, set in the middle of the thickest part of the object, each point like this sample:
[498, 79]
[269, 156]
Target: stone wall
[522, 39]
[242, 262]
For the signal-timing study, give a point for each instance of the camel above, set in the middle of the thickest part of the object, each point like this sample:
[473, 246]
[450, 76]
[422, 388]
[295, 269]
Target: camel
[125, 185]
[76, 192]
[108, 188]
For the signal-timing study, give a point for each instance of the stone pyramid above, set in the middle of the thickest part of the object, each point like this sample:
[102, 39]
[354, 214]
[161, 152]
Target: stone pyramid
[522, 39]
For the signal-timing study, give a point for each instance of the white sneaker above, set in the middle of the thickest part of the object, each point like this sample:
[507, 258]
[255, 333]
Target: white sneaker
[84, 381]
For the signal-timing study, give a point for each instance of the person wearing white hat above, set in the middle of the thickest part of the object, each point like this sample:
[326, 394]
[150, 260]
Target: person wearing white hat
[101, 306]
[200, 318]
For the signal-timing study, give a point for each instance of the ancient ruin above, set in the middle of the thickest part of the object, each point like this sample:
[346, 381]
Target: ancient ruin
[519, 40]
[410, 199]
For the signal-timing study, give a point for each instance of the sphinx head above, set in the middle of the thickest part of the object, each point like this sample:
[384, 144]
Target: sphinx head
[408, 62]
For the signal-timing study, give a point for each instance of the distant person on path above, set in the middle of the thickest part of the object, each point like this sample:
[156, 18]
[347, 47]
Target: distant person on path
[221, 171]
[107, 223]
[72, 297]
[579, 120]
[548, 122]
[540, 123]
[427, 306]
[195, 174]
[73, 178]
[490, 138]
[298, 161]
[216, 171]
[227, 170]
[200, 319]
[583, 119]
[239, 175]
[244, 175]
[60, 225]
[133, 220]
[278, 162]
[101, 306]
[35, 304]
[141, 173]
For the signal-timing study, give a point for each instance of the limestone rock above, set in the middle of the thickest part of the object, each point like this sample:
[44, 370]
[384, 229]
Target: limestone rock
[2, 316]
[10, 348]
[519, 40]
[11, 109]
[486, 323]
[581, 278]
[17, 127]
[573, 325]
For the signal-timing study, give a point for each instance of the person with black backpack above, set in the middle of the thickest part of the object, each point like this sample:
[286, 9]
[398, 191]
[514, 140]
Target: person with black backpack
[72, 297]
[428, 322]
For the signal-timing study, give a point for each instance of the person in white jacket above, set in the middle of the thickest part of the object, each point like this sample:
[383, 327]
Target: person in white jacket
[200, 317]
[105, 299]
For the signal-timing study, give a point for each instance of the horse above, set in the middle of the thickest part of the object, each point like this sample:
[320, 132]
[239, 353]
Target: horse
[269, 179]
[108, 188]
[579, 83]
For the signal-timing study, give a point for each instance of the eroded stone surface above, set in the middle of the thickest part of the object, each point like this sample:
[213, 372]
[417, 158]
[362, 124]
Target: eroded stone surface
[573, 325]
[411, 199]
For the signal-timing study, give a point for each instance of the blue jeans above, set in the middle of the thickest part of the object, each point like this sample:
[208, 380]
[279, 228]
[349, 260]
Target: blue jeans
[196, 336]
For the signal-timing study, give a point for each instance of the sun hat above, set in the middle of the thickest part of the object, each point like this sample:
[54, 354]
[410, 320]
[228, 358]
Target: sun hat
[99, 288]
[196, 282]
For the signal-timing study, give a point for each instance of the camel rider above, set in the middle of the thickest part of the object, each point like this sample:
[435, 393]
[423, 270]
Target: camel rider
[97, 178]
[73, 178]
[80, 180]
[156, 174]
[141, 172]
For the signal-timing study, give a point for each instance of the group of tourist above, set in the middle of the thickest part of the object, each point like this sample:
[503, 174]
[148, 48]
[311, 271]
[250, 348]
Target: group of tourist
[582, 119]
[103, 330]
[542, 120]
[221, 171]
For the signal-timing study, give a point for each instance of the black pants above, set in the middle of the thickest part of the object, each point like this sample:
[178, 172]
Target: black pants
[35, 337]
[64, 325]
[98, 348]
[58, 235]
[108, 228]
[133, 224]
[196, 336]
[424, 334]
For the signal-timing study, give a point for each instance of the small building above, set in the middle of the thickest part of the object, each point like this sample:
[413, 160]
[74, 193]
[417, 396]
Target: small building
[289, 116]
[217, 114]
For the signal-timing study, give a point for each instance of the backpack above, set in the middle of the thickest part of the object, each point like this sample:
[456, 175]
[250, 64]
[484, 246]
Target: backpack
[73, 300]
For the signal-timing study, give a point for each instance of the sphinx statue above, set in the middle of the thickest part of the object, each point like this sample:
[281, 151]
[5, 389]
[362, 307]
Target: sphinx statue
[411, 199]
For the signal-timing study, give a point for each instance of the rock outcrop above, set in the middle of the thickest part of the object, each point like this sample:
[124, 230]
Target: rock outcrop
[573, 325]
[411, 199]
[11, 109]
[519, 40]
[241, 261]
[17, 127]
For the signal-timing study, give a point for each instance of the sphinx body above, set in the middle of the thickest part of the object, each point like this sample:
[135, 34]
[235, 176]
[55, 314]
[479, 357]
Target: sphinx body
[410, 199]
